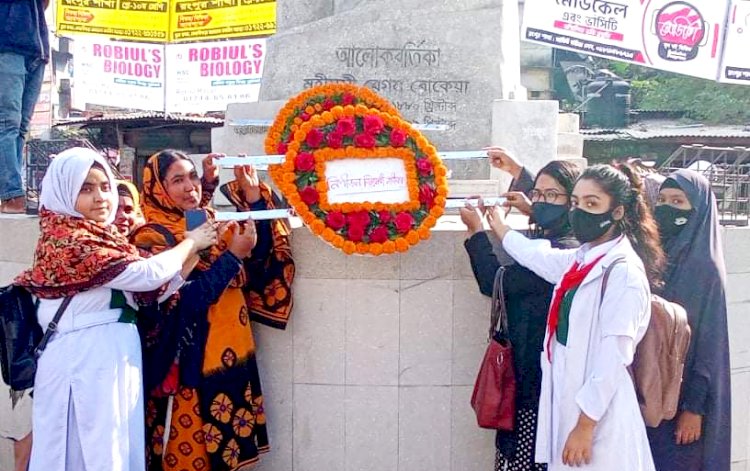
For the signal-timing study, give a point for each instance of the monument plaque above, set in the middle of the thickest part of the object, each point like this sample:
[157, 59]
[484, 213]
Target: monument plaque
[438, 67]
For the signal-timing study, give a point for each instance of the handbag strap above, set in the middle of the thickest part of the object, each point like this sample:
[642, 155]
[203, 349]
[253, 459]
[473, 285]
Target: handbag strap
[598, 315]
[52, 326]
[498, 310]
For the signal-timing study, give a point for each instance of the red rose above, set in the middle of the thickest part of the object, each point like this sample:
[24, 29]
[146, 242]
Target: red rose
[304, 117]
[404, 221]
[398, 138]
[335, 220]
[356, 233]
[328, 104]
[373, 124]
[427, 195]
[348, 99]
[304, 162]
[366, 141]
[309, 195]
[346, 126]
[379, 234]
[281, 148]
[424, 167]
[385, 216]
[314, 138]
[358, 219]
[335, 140]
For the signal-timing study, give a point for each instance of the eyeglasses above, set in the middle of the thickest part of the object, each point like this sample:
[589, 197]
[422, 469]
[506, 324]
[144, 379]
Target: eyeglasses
[547, 196]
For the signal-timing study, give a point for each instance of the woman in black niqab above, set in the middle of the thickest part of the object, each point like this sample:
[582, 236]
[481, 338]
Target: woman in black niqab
[696, 279]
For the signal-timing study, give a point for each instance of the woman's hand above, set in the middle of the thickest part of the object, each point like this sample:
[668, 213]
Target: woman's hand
[210, 169]
[247, 177]
[243, 241]
[578, 446]
[689, 427]
[504, 160]
[518, 200]
[203, 236]
[472, 216]
[496, 219]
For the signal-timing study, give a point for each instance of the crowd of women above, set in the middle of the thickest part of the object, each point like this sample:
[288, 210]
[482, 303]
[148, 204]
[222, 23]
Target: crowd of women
[574, 339]
[153, 364]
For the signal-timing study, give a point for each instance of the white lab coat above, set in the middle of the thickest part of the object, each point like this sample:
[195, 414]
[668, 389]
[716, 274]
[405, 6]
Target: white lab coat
[88, 399]
[590, 374]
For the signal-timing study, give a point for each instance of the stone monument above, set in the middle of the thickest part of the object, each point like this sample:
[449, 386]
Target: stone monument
[440, 63]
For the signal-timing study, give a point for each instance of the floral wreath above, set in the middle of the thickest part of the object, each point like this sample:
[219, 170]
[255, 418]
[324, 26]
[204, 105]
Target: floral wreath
[355, 131]
[314, 101]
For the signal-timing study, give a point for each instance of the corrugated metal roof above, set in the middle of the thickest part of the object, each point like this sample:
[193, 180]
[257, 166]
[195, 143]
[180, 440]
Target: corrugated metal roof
[126, 117]
[642, 133]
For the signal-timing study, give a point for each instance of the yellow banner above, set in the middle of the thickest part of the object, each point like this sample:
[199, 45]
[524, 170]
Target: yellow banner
[193, 20]
[137, 20]
[167, 20]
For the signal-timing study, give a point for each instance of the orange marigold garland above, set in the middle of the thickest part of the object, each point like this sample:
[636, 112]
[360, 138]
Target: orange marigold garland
[314, 101]
[357, 131]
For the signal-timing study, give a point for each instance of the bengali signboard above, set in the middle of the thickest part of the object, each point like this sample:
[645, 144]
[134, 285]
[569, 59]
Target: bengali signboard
[192, 20]
[685, 37]
[736, 64]
[138, 20]
[115, 73]
[167, 20]
[208, 76]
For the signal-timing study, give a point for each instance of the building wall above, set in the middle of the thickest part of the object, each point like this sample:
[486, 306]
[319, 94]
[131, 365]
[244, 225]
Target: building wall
[376, 368]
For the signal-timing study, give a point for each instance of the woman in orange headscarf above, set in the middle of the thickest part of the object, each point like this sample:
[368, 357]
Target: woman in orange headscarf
[210, 378]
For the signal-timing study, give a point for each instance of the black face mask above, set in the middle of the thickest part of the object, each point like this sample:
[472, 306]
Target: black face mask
[548, 215]
[671, 220]
[589, 226]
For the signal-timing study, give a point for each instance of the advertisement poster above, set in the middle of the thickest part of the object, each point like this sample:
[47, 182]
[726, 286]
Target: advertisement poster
[137, 20]
[115, 73]
[41, 119]
[193, 20]
[736, 65]
[684, 37]
[208, 76]
[167, 20]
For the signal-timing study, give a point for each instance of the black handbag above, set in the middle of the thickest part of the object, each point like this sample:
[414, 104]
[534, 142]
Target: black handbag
[21, 337]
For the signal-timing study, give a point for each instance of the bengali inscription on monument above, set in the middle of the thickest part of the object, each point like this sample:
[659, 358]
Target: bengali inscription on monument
[405, 75]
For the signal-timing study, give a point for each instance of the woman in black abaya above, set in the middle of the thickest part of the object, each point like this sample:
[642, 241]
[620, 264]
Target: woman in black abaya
[698, 439]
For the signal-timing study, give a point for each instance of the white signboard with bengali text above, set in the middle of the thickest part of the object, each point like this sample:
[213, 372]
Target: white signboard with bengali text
[115, 73]
[209, 76]
[736, 65]
[379, 180]
[684, 37]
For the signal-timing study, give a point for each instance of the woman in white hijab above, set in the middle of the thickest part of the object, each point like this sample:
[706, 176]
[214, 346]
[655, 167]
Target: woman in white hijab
[88, 403]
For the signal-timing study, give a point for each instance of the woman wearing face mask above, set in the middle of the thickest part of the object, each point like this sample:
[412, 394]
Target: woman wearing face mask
[698, 439]
[88, 401]
[527, 298]
[588, 411]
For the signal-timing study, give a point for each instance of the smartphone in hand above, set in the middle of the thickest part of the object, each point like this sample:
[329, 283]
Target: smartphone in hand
[195, 218]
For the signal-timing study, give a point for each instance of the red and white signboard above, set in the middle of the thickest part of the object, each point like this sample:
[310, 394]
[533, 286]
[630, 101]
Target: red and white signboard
[684, 37]
[116, 73]
[208, 76]
[736, 65]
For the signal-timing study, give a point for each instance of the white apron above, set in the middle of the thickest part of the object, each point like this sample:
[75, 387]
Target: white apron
[589, 373]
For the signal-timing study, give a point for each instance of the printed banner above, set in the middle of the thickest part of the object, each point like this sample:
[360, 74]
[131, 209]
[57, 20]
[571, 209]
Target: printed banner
[138, 20]
[193, 20]
[736, 64]
[208, 76]
[114, 73]
[678, 36]
[167, 20]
